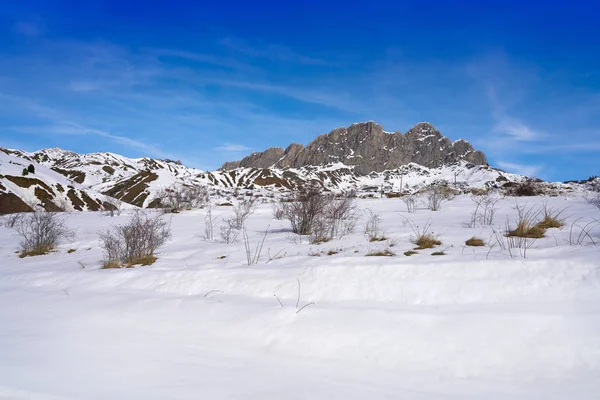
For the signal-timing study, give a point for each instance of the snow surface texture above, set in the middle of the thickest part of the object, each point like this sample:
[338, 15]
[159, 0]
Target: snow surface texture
[473, 324]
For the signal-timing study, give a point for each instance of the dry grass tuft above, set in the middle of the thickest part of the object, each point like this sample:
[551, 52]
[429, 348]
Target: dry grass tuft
[410, 253]
[422, 237]
[71, 251]
[551, 218]
[426, 241]
[475, 242]
[438, 253]
[382, 253]
[378, 239]
[525, 229]
[145, 260]
[40, 251]
[110, 265]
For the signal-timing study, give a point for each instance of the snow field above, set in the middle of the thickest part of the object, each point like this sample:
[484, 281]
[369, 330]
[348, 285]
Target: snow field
[475, 323]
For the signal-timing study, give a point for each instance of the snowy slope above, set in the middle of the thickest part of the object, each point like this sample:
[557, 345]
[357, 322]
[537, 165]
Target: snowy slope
[138, 181]
[199, 323]
[44, 188]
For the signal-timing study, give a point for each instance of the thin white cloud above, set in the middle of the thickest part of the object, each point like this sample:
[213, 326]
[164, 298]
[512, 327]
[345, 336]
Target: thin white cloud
[77, 129]
[27, 28]
[233, 148]
[521, 169]
[273, 52]
[517, 130]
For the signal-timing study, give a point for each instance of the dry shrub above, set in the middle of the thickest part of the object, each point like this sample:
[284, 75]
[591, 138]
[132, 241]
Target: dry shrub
[177, 198]
[11, 220]
[135, 242]
[321, 216]
[529, 187]
[411, 201]
[475, 242]
[437, 195]
[307, 205]
[438, 253]
[410, 253]
[41, 232]
[242, 210]
[373, 229]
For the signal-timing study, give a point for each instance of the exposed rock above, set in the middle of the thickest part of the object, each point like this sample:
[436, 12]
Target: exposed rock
[368, 148]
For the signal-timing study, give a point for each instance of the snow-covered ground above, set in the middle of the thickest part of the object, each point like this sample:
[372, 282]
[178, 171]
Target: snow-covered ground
[201, 324]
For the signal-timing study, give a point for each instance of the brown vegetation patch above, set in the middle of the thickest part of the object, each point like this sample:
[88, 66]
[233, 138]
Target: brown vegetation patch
[426, 241]
[131, 190]
[35, 252]
[77, 176]
[76, 201]
[90, 203]
[525, 230]
[145, 260]
[108, 169]
[110, 265]
[475, 242]
[381, 253]
[410, 253]
[393, 195]
[46, 199]
[25, 182]
[11, 203]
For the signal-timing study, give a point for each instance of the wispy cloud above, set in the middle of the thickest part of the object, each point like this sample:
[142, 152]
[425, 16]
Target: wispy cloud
[60, 126]
[521, 169]
[273, 52]
[28, 28]
[516, 130]
[233, 148]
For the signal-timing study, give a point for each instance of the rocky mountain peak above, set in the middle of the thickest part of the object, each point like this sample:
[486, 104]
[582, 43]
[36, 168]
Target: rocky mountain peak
[366, 147]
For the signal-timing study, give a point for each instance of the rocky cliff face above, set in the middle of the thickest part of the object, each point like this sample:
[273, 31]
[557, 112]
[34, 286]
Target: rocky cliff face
[368, 148]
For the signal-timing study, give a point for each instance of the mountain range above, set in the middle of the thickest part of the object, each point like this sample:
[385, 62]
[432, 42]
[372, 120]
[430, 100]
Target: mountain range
[362, 157]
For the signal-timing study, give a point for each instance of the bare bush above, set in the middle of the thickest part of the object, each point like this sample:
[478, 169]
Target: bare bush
[112, 208]
[278, 212]
[209, 225]
[411, 201]
[527, 188]
[11, 220]
[594, 199]
[307, 205]
[229, 231]
[242, 210]
[321, 216]
[41, 232]
[438, 195]
[373, 229]
[177, 198]
[136, 241]
[485, 210]
[341, 216]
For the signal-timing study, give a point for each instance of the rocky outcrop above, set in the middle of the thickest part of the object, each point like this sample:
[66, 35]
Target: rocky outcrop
[368, 148]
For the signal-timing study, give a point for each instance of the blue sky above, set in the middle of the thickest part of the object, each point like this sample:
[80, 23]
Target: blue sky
[211, 81]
